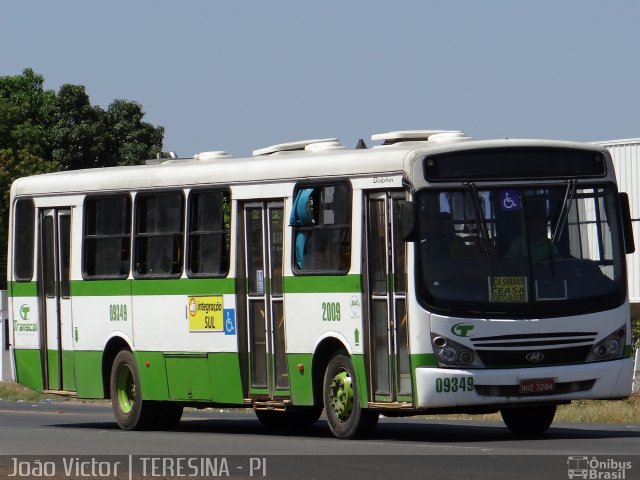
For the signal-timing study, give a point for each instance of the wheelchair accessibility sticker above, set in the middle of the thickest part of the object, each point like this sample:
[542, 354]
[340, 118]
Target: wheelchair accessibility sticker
[229, 321]
[510, 201]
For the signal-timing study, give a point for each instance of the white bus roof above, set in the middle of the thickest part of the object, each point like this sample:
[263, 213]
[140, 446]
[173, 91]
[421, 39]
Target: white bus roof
[223, 169]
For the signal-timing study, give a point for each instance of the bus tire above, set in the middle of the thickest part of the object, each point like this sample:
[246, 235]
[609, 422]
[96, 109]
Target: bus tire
[131, 412]
[168, 415]
[528, 421]
[345, 416]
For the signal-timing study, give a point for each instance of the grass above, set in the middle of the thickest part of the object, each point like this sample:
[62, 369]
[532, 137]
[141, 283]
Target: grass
[14, 392]
[580, 411]
[601, 411]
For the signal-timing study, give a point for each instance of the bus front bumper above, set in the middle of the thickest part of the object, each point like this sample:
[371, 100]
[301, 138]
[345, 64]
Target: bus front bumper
[442, 388]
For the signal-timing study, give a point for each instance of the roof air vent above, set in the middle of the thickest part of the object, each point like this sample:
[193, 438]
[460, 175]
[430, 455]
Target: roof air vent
[391, 138]
[291, 146]
[324, 146]
[445, 137]
[214, 155]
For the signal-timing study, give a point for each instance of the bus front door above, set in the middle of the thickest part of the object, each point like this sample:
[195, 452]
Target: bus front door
[385, 288]
[264, 323]
[55, 300]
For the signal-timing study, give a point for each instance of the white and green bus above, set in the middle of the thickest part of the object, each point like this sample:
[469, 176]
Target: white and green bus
[429, 274]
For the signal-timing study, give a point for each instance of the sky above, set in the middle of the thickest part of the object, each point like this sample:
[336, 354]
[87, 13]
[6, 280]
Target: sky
[240, 75]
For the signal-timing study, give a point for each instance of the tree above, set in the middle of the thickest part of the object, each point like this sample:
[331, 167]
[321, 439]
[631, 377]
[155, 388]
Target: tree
[43, 131]
[79, 131]
[132, 140]
[24, 113]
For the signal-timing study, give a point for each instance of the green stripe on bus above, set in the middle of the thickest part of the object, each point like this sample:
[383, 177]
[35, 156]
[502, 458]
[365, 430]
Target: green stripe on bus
[184, 286]
[24, 289]
[193, 286]
[97, 288]
[109, 288]
[181, 286]
[323, 284]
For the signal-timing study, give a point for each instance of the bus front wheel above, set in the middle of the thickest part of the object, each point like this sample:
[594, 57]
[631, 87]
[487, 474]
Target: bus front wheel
[345, 416]
[528, 421]
[131, 412]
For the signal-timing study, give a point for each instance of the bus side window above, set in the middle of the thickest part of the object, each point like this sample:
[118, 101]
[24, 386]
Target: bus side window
[321, 221]
[23, 239]
[106, 249]
[159, 235]
[208, 233]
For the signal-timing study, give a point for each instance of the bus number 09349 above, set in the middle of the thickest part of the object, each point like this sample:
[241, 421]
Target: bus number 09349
[446, 385]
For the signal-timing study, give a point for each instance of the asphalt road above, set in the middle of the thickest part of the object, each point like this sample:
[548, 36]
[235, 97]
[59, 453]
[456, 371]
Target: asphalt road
[400, 448]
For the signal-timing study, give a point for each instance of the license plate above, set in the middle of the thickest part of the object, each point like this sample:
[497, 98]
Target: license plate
[532, 386]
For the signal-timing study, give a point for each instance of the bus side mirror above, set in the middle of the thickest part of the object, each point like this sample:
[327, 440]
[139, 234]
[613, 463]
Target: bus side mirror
[408, 220]
[627, 227]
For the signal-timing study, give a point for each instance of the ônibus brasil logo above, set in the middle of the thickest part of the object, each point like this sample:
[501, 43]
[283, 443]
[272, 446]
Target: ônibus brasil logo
[595, 468]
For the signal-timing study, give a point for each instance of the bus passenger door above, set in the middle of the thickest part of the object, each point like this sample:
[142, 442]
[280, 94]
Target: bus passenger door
[55, 299]
[385, 288]
[264, 323]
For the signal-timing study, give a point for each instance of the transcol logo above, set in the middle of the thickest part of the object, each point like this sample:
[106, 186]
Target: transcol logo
[24, 312]
[462, 329]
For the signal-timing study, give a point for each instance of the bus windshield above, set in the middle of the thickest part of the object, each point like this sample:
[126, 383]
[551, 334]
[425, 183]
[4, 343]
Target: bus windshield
[520, 251]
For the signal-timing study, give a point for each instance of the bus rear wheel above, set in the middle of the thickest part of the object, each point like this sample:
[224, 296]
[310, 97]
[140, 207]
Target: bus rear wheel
[131, 412]
[345, 416]
[528, 421]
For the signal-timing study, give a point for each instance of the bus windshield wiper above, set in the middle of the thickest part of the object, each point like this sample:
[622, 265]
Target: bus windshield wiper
[481, 220]
[563, 215]
[564, 211]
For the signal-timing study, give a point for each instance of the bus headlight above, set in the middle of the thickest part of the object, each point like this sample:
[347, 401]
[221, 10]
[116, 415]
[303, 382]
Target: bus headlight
[609, 348]
[453, 354]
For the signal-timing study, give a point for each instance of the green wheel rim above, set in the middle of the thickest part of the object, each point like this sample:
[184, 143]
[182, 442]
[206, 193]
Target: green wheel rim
[126, 389]
[341, 395]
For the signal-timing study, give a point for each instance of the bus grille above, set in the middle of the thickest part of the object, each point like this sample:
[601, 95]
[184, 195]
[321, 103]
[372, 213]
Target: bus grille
[534, 349]
[522, 358]
[535, 339]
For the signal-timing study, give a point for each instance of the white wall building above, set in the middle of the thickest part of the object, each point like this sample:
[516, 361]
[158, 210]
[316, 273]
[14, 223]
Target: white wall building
[626, 159]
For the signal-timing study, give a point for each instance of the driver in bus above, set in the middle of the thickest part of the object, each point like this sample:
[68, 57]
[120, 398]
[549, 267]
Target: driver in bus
[540, 245]
[444, 243]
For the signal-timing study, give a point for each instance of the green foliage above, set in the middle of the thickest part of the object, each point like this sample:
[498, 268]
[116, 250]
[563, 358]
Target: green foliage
[43, 131]
[24, 112]
[132, 140]
[65, 128]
